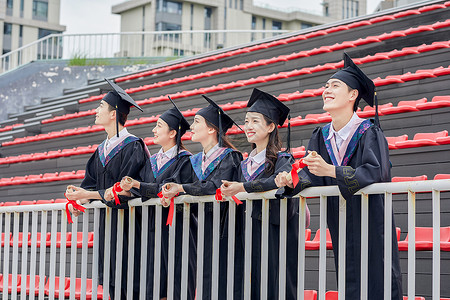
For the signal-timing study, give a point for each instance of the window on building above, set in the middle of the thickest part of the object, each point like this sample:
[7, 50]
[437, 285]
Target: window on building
[253, 37]
[207, 25]
[168, 6]
[230, 4]
[40, 10]
[327, 13]
[264, 27]
[7, 28]
[22, 4]
[350, 9]
[241, 4]
[306, 25]
[9, 7]
[163, 26]
[276, 25]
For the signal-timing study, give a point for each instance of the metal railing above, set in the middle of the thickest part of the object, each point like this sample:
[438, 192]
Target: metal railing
[19, 217]
[129, 44]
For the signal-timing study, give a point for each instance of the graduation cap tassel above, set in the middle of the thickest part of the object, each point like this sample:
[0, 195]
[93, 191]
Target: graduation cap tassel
[220, 130]
[117, 121]
[288, 149]
[377, 120]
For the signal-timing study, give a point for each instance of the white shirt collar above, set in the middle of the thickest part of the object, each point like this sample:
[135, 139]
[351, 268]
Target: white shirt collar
[258, 158]
[122, 133]
[211, 151]
[169, 153]
[346, 130]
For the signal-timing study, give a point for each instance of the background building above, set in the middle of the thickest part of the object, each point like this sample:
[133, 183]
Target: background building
[24, 21]
[171, 15]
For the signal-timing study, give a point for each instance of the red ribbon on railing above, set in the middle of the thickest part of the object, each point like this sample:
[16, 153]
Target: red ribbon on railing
[75, 205]
[298, 165]
[171, 208]
[116, 189]
[219, 197]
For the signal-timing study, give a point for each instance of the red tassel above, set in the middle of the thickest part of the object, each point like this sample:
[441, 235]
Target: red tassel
[75, 205]
[219, 197]
[298, 165]
[116, 189]
[170, 215]
[236, 200]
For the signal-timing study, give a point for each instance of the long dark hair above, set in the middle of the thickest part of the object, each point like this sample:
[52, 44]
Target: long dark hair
[225, 140]
[182, 147]
[273, 147]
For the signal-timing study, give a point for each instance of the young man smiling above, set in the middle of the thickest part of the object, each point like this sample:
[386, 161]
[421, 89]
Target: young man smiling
[351, 153]
[120, 154]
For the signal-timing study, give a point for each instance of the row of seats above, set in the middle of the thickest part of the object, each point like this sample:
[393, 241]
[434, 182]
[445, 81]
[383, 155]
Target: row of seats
[67, 286]
[282, 75]
[283, 41]
[308, 53]
[420, 139]
[42, 178]
[20, 239]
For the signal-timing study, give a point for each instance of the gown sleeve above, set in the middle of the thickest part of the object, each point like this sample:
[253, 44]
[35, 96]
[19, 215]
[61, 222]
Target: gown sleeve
[373, 155]
[226, 170]
[283, 163]
[90, 178]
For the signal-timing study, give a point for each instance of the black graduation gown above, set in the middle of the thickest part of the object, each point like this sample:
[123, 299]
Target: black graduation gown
[225, 167]
[130, 158]
[179, 171]
[261, 181]
[366, 162]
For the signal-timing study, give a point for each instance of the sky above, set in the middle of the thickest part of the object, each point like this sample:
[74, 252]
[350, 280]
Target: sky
[94, 16]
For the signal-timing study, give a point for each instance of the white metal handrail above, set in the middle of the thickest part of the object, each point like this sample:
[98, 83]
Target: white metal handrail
[129, 44]
[39, 216]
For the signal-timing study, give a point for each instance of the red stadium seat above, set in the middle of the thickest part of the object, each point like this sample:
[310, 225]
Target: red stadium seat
[436, 102]
[369, 111]
[11, 203]
[402, 179]
[310, 295]
[27, 286]
[3, 238]
[422, 139]
[25, 202]
[57, 291]
[9, 282]
[315, 243]
[441, 176]
[331, 295]
[403, 106]
[424, 238]
[51, 201]
[394, 139]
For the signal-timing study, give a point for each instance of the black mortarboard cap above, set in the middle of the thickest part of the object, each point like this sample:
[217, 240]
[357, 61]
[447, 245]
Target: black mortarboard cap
[268, 105]
[120, 100]
[215, 115]
[356, 79]
[175, 119]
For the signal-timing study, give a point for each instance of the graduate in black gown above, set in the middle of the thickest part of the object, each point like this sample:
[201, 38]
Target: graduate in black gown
[218, 161]
[171, 164]
[121, 154]
[257, 174]
[352, 153]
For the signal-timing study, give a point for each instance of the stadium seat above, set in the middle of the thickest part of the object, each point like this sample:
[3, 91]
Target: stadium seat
[441, 176]
[57, 291]
[415, 178]
[3, 238]
[403, 106]
[393, 139]
[315, 243]
[331, 295]
[369, 111]
[424, 238]
[310, 295]
[9, 282]
[436, 102]
[27, 286]
[416, 298]
[422, 139]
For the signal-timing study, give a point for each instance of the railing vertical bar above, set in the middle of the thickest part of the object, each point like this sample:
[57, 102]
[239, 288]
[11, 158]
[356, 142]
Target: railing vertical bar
[6, 254]
[411, 245]
[231, 247]
[144, 249]
[341, 247]
[33, 251]
[73, 258]
[387, 245]
[185, 251]
[200, 249]
[53, 226]
[62, 261]
[215, 251]
[107, 252]
[264, 247]
[95, 254]
[171, 255]
[248, 249]
[436, 198]
[364, 244]
[131, 245]
[157, 254]
[15, 256]
[282, 250]
[42, 254]
[84, 254]
[119, 252]
[26, 219]
[323, 248]
[301, 249]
